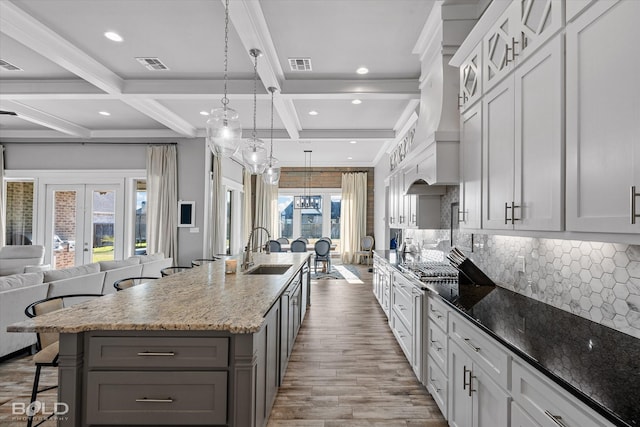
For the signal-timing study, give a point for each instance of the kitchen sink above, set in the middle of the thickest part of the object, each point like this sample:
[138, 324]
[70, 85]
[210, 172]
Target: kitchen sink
[269, 269]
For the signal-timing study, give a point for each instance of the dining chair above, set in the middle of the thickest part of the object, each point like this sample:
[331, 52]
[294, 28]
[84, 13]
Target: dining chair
[298, 245]
[274, 246]
[172, 270]
[283, 240]
[366, 249]
[130, 282]
[48, 342]
[323, 255]
[304, 239]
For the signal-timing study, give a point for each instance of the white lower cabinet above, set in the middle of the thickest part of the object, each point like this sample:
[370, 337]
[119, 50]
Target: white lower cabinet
[519, 418]
[475, 399]
[546, 404]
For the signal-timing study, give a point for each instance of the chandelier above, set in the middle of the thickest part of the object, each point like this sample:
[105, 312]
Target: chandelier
[271, 175]
[224, 130]
[306, 200]
[254, 155]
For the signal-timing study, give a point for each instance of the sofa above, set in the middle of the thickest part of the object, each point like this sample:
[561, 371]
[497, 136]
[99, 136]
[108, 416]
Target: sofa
[16, 258]
[19, 290]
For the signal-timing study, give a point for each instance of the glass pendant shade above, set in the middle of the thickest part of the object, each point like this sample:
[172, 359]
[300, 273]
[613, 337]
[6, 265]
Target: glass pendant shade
[254, 156]
[224, 131]
[271, 174]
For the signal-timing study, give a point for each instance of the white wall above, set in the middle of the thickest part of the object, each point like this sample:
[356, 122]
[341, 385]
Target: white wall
[381, 172]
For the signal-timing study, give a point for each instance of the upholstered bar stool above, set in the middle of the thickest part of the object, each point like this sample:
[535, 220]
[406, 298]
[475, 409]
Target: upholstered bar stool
[172, 270]
[130, 282]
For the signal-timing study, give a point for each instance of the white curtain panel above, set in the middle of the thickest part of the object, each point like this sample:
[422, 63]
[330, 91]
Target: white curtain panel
[246, 200]
[162, 200]
[266, 214]
[217, 213]
[353, 214]
[2, 214]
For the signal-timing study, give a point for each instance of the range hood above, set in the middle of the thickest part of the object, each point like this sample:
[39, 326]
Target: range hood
[434, 150]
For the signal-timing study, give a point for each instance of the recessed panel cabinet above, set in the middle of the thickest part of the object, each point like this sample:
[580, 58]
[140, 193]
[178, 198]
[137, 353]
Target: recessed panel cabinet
[471, 168]
[603, 116]
[523, 146]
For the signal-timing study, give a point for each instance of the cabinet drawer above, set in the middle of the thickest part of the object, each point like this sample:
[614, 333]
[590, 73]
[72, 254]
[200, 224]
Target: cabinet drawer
[438, 312]
[438, 345]
[437, 384]
[402, 334]
[157, 398]
[484, 350]
[402, 302]
[158, 352]
[546, 403]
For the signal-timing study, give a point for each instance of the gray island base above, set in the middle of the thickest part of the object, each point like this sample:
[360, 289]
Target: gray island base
[195, 348]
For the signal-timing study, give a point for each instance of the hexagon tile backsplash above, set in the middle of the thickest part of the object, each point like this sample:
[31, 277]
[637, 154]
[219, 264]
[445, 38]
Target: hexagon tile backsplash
[595, 280]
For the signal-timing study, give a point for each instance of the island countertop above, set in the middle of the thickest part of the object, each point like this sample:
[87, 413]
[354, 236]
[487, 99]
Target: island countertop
[201, 298]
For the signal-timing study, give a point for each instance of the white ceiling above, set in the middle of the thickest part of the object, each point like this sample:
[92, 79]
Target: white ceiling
[71, 71]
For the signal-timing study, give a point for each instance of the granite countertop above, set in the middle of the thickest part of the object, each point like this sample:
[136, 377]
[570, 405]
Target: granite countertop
[597, 364]
[201, 298]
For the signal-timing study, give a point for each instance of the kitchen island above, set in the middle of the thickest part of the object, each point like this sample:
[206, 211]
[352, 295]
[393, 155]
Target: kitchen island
[200, 347]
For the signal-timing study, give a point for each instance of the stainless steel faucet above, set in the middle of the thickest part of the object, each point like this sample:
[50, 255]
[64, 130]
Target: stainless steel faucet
[247, 260]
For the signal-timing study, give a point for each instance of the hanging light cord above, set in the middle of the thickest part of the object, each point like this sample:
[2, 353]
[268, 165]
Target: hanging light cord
[255, 89]
[271, 150]
[225, 100]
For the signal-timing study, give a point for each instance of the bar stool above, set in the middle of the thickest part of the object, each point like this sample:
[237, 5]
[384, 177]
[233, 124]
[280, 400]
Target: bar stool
[172, 270]
[130, 282]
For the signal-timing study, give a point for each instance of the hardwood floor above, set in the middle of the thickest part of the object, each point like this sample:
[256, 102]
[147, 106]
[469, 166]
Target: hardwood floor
[347, 369]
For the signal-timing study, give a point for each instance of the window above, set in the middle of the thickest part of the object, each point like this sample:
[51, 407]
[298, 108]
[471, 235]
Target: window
[19, 212]
[140, 228]
[336, 200]
[285, 208]
[229, 210]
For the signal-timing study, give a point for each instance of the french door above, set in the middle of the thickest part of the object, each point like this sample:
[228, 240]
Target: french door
[84, 223]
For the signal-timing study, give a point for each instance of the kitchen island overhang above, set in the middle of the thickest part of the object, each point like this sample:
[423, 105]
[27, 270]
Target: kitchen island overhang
[199, 347]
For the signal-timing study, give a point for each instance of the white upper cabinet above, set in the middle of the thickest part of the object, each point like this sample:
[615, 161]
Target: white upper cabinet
[471, 79]
[603, 118]
[471, 168]
[523, 27]
[523, 146]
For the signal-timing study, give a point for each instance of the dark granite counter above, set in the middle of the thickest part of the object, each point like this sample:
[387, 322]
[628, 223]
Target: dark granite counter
[597, 364]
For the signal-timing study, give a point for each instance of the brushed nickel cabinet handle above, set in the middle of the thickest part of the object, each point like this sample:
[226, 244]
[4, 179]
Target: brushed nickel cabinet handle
[634, 215]
[435, 344]
[464, 377]
[512, 49]
[144, 399]
[557, 419]
[155, 353]
[506, 209]
[461, 216]
[435, 385]
[468, 342]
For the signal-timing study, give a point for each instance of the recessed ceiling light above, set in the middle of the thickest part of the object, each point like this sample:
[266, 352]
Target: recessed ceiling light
[349, 158]
[353, 142]
[362, 70]
[356, 102]
[104, 113]
[113, 36]
[313, 113]
[204, 113]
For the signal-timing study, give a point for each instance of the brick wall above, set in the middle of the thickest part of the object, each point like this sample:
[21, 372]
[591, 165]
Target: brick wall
[327, 177]
[19, 210]
[65, 215]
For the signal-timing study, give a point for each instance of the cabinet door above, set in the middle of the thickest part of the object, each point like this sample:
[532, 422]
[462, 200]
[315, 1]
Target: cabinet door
[519, 418]
[470, 79]
[490, 402]
[538, 21]
[460, 399]
[471, 168]
[603, 142]
[538, 140]
[497, 49]
[498, 156]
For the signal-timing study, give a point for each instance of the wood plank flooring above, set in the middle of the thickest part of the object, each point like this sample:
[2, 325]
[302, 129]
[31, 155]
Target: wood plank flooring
[347, 369]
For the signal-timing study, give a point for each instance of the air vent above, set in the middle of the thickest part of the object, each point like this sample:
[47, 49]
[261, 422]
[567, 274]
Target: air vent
[153, 64]
[300, 64]
[9, 66]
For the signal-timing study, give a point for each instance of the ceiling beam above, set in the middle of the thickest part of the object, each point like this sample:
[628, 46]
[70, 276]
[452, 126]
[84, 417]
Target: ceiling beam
[347, 134]
[27, 30]
[251, 26]
[44, 119]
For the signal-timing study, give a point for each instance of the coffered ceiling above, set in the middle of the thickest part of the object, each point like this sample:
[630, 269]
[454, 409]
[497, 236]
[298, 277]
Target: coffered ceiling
[70, 72]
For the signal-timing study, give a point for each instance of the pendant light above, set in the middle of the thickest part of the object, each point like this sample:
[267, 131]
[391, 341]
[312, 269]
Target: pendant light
[271, 175]
[254, 155]
[224, 130]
